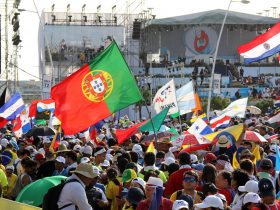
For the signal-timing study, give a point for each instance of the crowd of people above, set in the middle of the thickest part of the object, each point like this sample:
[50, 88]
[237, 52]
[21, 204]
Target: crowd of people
[106, 175]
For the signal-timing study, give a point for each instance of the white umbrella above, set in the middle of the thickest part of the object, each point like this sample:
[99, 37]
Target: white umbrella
[254, 110]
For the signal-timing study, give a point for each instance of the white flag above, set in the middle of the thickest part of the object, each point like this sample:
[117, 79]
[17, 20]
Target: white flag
[185, 98]
[166, 97]
[237, 108]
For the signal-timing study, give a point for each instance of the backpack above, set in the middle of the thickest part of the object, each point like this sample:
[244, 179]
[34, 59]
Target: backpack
[51, 198]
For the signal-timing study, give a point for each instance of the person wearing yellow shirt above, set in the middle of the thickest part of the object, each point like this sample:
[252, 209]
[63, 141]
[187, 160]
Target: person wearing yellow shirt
[113, 189]
[190, 183]
[11, 177]
[3, 182]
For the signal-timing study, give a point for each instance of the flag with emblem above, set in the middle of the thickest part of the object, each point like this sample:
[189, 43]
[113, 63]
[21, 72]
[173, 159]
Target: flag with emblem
[236, 108]
[94, 92]
[166, 97]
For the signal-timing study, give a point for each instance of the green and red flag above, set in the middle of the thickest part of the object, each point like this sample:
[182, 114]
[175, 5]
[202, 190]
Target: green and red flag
[152, 125]
[95, 91]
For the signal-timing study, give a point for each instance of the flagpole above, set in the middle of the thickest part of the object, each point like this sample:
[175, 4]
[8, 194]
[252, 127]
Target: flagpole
[153, 126]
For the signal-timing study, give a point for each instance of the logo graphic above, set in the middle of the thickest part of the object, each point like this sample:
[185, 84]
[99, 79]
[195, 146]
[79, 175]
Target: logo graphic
[201, 41]
[97, 85]
[266, 46]
[164, 94]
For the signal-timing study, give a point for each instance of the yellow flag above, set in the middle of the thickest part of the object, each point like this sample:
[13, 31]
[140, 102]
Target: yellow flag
[256, 152]
[151, 148]
[236, 131]
[200, 116]
[235, 163]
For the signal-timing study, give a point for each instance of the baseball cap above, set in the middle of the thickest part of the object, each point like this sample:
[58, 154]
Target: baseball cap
[250, 186]
[87, 150]
[210, 157]
[4, 142]
[138, 149]
[10, 168]
[99, 150]
[85, 160]
[179, 204]
[128, 175]
[46, 140]
[266, 187]
[77, 148]
[105, 163]
[60, 159]
[95, 170]
[39, 156]
[251, 198]
[211, 201]
[193, 158]
[139, 181]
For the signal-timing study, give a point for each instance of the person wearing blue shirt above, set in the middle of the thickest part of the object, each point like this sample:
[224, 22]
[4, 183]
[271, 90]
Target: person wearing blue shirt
[59, 167]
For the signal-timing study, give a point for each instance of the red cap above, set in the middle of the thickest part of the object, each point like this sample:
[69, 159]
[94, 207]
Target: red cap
[39, 156]
[210, 157]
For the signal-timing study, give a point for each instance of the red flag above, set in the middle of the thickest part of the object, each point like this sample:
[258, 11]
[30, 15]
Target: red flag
[3, 122]
[123, 135]
[33, 108]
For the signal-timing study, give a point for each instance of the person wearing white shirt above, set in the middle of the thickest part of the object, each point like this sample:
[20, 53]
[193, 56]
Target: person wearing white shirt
[74, 192]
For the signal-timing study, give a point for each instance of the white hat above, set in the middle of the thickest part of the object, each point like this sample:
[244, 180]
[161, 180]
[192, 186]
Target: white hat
[100, 151]
[251, 198]
[154, 181]
[0, 147]
[46, 140]
[101, 136]
[95, 170]
[106, 163]
[250, 186]
[179, 204]
[87, 150]
[174, 149]
[222, 197]
[109, 157]
[169, 160]
[211, 201]
[85, 160]
[137, 148]
[81, 135]
[77, 147]
[85, 169]
[65, 143]
[109, 151]
[193, 158]
[10, 168]
[272, 148]
[4, 142]
[139, 181]
[60, 159]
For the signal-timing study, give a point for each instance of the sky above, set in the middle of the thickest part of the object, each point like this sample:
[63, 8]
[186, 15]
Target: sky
[29, 21]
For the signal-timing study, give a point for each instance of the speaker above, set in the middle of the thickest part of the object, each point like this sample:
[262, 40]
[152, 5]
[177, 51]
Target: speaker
[136, 30]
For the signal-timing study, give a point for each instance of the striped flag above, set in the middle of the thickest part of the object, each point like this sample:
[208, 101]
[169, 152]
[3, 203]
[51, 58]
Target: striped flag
[13, 107]
[220, 122]
[262, 46]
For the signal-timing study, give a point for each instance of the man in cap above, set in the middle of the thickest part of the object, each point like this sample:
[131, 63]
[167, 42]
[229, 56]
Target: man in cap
[100, 156]
[180, 205]
[153, 184]
[59, 167]
[46, 145]
[272, 154]
[267, 195]
[70, 161]
[266, 169]
[212, 202]
[74, 193]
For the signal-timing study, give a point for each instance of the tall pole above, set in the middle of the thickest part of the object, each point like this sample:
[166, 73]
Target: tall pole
[214, 62]
[6, 43]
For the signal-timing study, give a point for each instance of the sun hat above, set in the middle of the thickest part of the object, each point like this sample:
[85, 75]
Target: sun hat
[139, 181]
[154, 182]
[87, 150]
[128, 175]
[62, 148]
[85, 160]
[251, 198]
[223, 141]
[60, 159]
[134, 195]
[86, 170]
[211, 201]
[180, 204]
[250, 186]
[266, 187]
[65, 143]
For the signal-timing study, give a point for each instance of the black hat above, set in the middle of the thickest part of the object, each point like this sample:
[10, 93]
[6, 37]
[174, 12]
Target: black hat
[266, 187]
[135, 195]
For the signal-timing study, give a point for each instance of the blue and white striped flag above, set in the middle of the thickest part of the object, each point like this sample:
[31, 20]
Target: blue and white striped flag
[185, 98]
[13, 107]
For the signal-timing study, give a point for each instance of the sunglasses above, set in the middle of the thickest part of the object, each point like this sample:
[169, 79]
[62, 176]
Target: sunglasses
[189, 179]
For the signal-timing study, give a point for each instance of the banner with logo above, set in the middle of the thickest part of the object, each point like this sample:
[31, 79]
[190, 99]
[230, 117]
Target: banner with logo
[166, 97]
[217, 84]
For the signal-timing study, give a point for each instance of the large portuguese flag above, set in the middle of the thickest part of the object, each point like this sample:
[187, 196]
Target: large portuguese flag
[95, 91]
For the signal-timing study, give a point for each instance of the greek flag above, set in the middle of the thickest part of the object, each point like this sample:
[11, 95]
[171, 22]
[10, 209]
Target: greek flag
[13, 107]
